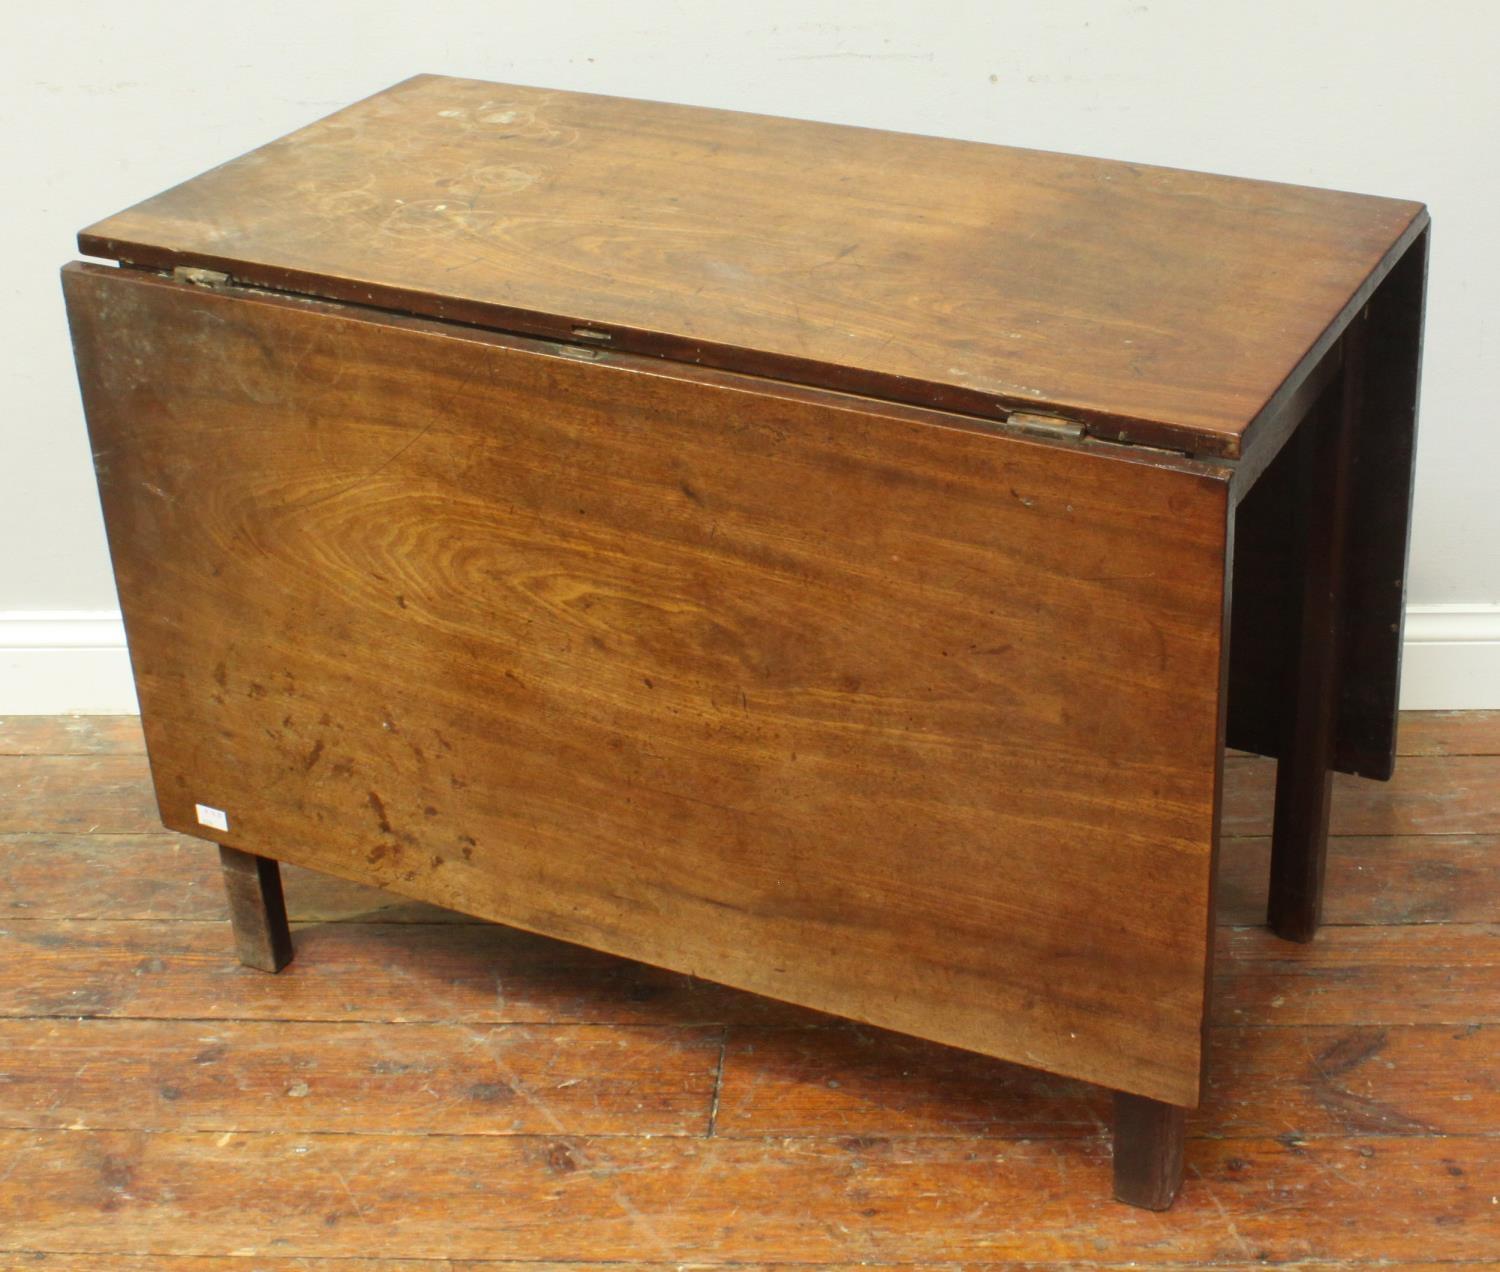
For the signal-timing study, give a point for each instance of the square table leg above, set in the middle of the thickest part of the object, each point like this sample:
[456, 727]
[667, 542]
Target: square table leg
[257, 909]
[1304, 772]
[1149, 1141]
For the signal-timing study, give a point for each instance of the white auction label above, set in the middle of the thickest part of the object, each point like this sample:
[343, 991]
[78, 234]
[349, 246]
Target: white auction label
[215, 817]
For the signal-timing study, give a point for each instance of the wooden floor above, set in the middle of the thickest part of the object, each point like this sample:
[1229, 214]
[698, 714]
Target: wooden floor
[420, 1092]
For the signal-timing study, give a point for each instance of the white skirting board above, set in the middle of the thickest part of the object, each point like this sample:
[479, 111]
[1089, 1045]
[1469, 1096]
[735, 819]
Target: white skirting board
[62, 662]
[1451, 659]
[57, 663]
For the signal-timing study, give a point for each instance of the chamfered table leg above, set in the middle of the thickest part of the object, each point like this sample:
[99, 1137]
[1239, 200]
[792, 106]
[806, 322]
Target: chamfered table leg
[1304, 778]
[1149, 1140]
[257, 910]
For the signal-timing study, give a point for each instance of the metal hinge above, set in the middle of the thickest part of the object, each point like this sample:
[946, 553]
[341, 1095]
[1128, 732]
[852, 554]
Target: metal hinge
[1062, 428]
[573, 351]
[199, 277]
[1046, 425]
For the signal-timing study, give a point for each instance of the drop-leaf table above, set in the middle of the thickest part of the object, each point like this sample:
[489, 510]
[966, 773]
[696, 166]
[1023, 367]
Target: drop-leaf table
[826, 561]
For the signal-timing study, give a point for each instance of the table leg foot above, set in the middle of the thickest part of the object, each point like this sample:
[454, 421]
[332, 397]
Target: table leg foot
[1149, 1139]
[257, 910]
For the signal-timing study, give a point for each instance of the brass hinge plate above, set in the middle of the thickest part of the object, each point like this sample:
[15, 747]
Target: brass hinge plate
[1063, 429]
[1045, 425]
[199, 277]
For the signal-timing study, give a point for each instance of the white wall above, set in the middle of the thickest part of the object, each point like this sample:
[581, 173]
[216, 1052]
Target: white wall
[104, 104]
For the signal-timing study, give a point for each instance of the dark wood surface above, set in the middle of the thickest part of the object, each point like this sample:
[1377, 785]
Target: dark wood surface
[257, 909]
[1267, 639]
[1147, 1160]
[1382, 481]
[1324, 446]
[392, 1102]
[1164, 306]
[589, 648]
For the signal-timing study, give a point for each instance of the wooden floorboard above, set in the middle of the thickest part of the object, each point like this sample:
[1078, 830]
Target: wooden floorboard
[71, 735]
[1313, 1081]
[421, 1092]
[1429, 795]
[450, 1079]
[1449, 733]
[1380, 879]
[814, 1199]
[75, 1262]
[81, 794]
[453, 1079]
[57, 875]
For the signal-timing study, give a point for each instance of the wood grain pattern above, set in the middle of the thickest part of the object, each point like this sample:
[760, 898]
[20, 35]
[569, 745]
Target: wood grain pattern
[717, 675]
[1372, 879]
[1322, 1145]
[444, 1079]
[231, 1263]
[1422, 733]
[1167, 306]
[429, 973]
[72, 1262]
[1449, 733]
[1323, 1080]
[71, 735]
[1376, 879]
[1427, 796]
[1418, 974]
[69, 876]
[1246, 1201]
[1447, 973]
[37, 790]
